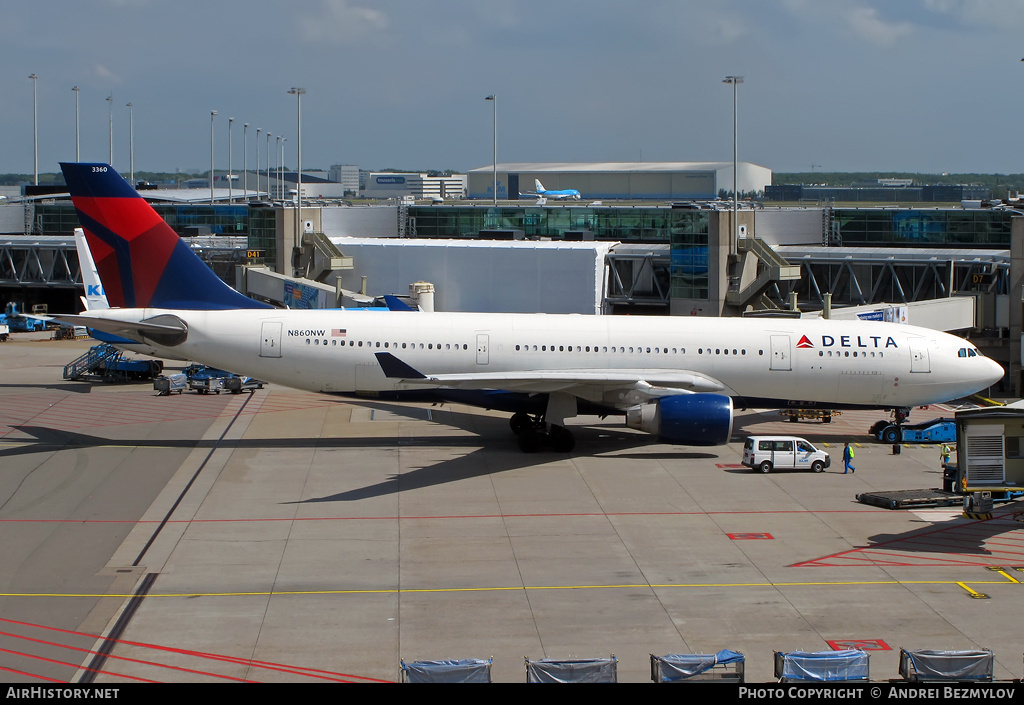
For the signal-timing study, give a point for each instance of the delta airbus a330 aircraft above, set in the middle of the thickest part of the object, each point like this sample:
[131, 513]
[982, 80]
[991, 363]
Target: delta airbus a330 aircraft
[675, 377]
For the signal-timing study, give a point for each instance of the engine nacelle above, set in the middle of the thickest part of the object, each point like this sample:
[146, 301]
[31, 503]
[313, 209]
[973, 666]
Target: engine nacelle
[685, 419]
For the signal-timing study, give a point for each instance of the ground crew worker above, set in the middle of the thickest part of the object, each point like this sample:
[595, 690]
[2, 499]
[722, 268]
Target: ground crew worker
[944, 454]
[848, 459]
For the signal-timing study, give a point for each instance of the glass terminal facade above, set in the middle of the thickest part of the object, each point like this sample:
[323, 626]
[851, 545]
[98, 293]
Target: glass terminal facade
[61, 219]
[870, 227]
[686, 231]
[621, 224]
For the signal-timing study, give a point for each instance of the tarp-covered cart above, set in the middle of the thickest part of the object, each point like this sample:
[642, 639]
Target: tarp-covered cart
[468, 670]
[923, 665]
[724, 667]
[841, 666]
[588, 670]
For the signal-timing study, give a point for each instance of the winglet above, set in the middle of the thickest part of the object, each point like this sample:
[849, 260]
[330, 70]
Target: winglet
[395, 368]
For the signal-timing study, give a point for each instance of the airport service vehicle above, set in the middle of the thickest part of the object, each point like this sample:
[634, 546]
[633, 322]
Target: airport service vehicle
[5, 332]
[21, 322]
[677, 378]
[934, 431]
[109, 364]
[205, 379]
[767, 453]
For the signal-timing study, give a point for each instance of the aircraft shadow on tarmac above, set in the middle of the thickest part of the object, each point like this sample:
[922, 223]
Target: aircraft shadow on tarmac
[500, 454]
[75, 387]
[955, 536]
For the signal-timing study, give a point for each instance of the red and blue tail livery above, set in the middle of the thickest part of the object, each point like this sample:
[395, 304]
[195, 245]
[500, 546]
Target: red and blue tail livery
[141, 261]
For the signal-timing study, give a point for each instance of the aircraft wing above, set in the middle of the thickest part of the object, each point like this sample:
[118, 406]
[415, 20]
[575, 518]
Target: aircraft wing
[591, 384]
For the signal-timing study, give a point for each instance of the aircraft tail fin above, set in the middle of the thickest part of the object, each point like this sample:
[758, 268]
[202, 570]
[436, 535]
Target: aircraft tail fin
[141, 261]
[94, 298]
[396, 304]
[538, 186]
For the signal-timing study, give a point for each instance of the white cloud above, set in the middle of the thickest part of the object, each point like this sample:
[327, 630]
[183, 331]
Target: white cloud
[1000, 14]
[106, 74]
[339, 20]
[866, 23]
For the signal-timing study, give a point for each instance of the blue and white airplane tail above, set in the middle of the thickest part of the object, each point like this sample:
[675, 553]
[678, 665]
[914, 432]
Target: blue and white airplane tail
[142, 263]
[94, 298]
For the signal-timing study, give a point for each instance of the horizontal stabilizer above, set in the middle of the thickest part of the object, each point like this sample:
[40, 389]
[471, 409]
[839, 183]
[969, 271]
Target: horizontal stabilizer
[168, 329]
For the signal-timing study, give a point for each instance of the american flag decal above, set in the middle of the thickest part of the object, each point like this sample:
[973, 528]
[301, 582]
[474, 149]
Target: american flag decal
[338, 332]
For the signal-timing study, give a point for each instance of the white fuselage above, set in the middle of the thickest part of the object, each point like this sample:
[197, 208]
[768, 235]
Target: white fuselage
[791, 361]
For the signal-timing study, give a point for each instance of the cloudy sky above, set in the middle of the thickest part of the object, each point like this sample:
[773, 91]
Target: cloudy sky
[833, 85]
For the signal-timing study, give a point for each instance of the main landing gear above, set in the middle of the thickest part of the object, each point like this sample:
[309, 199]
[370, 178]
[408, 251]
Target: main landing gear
[532, 433]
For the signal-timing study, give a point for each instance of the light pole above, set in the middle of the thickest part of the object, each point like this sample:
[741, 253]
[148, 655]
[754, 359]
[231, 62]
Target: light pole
[78, 154]
[35, 129]
[494, 150]
[298, 92]
[735, 81]
[269, 197]
[110, 105]
[230, 174]
[213, 114]
[258, 130]
[277, 172]
[245, 174]
[131, 143]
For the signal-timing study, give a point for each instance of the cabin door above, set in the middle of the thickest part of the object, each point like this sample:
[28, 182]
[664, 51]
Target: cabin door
[919, 361]
[780, 353]
[270, 344]
[482, 347]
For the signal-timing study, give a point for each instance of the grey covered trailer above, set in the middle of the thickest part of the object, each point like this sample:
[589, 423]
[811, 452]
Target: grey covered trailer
[925, 665]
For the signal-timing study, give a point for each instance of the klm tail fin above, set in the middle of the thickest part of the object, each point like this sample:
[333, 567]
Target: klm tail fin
[142, 263]
[94, 298]
[539, 186]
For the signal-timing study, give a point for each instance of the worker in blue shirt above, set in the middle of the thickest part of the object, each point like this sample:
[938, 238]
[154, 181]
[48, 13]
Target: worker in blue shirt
[848, 459]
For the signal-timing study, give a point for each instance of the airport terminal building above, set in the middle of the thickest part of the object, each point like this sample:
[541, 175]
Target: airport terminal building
[619, 180]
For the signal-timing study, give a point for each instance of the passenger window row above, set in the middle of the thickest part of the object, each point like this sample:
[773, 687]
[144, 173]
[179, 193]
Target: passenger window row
[847, 353]
[658, 350]
[395, 346]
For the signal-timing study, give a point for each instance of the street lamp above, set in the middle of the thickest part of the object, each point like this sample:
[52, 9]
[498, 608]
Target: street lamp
[230, 195]
[78, 155]
[35, 128]
[269, 197]
[131, 143]
[213, 114]
[494, 151]
[258, 130]
[245, 173]
[110, 105]
[735, 81]
[298, 92]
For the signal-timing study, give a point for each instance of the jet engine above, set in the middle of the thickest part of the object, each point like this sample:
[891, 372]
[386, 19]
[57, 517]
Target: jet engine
[685, 419]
